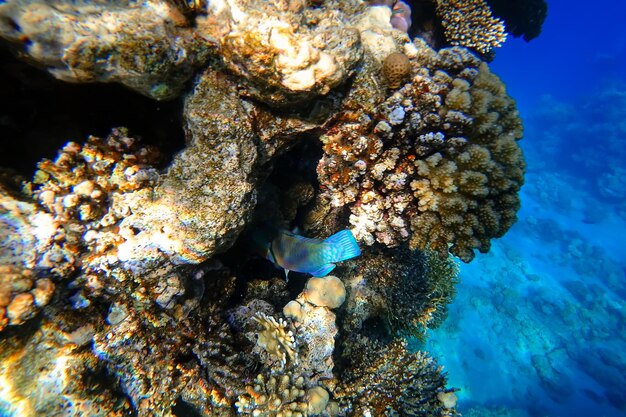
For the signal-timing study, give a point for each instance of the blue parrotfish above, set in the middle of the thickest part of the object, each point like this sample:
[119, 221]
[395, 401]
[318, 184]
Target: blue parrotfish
[317, 257]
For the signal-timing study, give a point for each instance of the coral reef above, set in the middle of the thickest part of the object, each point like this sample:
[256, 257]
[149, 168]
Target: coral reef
[400, 13]
[83, 194]
[600, 164]
[317, 329]
[126, 283]
[138, 361]
[25, 234]
[470, 23]
[436, 163]
[48, 372]
[21, 296]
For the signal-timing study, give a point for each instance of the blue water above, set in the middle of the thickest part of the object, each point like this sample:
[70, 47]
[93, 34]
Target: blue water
[539, 324]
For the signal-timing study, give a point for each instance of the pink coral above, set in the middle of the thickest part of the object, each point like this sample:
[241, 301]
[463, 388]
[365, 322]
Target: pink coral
[401, 13]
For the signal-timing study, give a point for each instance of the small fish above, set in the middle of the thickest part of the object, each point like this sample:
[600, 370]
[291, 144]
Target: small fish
[312, 256]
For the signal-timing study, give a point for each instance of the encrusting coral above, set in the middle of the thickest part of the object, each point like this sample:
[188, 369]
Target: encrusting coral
[470, 23]
[436, 163]
[102, 42]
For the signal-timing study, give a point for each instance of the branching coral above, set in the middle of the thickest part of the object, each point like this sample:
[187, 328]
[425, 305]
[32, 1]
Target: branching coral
[276, 339]
[441, 276]
[470, 23]
[436, 163]
[407, 291]
[391, 381]
[522, 17]
[282, 394]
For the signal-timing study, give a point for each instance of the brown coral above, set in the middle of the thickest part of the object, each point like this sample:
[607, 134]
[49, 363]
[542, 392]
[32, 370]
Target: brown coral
[470, 23]
[79, 190]
[396, 68]
[436, 163]
[392, 381]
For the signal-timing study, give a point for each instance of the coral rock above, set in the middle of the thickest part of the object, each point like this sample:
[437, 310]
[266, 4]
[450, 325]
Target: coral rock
[287, 52]
[103, 42]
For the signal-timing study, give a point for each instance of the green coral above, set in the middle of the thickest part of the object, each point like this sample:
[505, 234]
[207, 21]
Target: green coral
[426, 307]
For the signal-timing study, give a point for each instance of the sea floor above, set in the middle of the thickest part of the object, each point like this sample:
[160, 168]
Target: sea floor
[538, 325]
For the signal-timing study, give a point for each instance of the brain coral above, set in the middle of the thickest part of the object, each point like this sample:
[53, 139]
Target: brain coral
[436, 163]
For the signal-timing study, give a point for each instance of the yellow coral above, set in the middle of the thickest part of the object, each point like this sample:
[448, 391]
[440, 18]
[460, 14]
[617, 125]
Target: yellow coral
[276, 339]
[281, 394]
[470, 23]
[325, 292]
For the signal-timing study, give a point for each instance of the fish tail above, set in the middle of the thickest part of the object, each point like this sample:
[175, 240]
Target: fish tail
[342, 246]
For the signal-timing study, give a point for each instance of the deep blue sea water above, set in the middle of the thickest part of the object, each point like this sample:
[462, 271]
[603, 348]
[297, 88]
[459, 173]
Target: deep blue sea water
[538, 327]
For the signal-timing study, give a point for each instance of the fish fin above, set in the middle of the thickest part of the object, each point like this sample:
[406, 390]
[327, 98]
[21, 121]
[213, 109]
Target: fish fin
[301, 238]
[342, 246]
[270, 256]
[323, 270]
